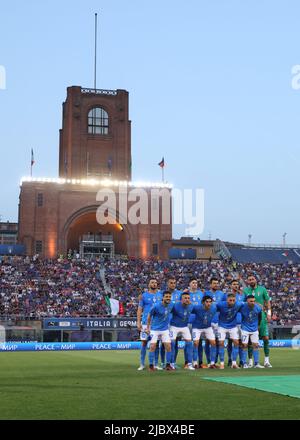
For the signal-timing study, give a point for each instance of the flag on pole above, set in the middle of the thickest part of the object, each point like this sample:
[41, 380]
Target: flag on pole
[113, 304]
[162, 163]
[31, 162]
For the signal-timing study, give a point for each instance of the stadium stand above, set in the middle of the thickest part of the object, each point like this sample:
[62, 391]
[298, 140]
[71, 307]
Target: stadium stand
[261, 255]
[36, 288]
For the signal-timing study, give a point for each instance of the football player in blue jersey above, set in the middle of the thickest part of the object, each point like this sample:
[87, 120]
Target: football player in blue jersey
[146, 301]
[196, 296]
[204, 314]
[235, 290]
[251, 318]
[179, 327]
[217, 295]
[228, 311]
[158, 323]
[176, 296]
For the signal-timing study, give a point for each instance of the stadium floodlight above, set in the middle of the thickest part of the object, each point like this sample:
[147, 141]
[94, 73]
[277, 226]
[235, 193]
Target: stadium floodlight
[284, 238]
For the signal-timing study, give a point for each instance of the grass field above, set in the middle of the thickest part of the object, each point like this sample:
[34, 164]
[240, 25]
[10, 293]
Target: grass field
[106, 385]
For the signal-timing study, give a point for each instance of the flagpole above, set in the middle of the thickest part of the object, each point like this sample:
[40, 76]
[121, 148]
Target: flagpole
[31, 157]
[95, 65]
[163, 174]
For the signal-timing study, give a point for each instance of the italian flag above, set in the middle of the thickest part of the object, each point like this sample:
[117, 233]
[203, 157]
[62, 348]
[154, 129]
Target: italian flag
[115, 306]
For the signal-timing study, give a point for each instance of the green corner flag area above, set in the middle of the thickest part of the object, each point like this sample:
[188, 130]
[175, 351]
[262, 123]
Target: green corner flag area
[106, 385]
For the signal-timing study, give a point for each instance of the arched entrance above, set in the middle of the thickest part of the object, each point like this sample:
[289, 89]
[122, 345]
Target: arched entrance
[83, 234]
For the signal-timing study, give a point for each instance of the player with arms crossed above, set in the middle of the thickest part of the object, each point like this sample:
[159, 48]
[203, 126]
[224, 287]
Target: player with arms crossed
[251, 317]
[204, 314]
[158, 323]
[262, 298]
[146, 301]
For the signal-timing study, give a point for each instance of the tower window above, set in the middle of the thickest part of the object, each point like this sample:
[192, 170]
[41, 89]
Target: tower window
[38, 246]
[97, 121]
[40, 199]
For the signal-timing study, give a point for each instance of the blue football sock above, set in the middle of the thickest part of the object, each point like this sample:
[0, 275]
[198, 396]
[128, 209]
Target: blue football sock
[195, 354]
[229, 350]
[189, 351]
[176, 351]
[173, 352]
[169, 356]
[235, 351]
[143, 354]
[156, 355]
[151, 357]
[244, 356]
[162, 353]
[221, 353]
[200, 352]
[207, 351]
[186, 353]
[218, 352]
[241, 354]
[256, 355]
[213, 351]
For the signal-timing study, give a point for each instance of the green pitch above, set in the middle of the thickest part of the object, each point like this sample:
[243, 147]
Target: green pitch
[106, 385]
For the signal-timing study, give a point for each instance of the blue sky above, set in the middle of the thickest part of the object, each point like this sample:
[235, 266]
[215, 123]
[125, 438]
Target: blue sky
[210, 88]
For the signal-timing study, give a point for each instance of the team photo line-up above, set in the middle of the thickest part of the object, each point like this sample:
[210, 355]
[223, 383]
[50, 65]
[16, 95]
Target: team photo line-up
[241, 315]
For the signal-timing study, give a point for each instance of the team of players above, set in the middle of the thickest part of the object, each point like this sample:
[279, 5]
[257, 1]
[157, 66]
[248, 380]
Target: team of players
[213, 315]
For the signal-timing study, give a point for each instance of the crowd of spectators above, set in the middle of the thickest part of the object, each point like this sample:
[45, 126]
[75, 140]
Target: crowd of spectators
[38, 288]
[51, 288]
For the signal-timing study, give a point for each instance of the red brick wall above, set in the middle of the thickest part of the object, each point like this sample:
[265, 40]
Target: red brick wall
[80, 152]
[63, 205]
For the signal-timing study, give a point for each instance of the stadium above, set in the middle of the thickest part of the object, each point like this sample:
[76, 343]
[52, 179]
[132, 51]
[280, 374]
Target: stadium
[106, 315]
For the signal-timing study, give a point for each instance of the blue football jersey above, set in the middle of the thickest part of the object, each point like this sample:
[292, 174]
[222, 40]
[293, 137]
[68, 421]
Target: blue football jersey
[203, 317]
[196, 300]
[238, 297]
[250, 317]
[160, 316]
[176, 296]
[181, 315]
[217, 296]
[227, 314]
[146, 302]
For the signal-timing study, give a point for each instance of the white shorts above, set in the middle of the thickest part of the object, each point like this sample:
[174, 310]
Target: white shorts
[143, 335]
[207, 332]
[252, 335]
[163, 335]
[177, 331]
[239, 331]
[232, 332]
